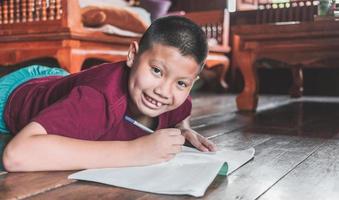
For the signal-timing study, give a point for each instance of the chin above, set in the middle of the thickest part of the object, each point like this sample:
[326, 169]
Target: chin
[150, 112]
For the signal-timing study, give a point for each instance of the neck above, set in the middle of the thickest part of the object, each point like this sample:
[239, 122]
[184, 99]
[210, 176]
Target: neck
[150, 122]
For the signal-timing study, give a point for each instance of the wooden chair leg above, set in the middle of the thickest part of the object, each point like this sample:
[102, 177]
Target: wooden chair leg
[221, 63]
[70, 60]
[222, 77]
[297, 88]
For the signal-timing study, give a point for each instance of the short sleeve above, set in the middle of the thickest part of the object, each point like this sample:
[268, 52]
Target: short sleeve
[80, 115]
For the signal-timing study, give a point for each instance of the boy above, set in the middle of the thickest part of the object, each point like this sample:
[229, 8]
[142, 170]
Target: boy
[77, 121]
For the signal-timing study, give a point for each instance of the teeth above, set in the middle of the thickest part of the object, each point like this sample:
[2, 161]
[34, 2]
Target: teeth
[153, 101]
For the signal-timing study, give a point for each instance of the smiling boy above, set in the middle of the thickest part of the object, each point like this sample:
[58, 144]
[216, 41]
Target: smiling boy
[77, 121]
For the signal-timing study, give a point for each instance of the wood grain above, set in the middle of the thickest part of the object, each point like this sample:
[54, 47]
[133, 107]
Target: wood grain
[315, 178]
[22, 185]
[293, 160]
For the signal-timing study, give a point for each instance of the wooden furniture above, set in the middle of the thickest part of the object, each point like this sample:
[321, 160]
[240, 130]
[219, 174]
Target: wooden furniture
[297, 44]
[32, 29]
[296, 11]
[296, 156]
[299, 10]
[197, 5]
[215, 24]
[291, 11]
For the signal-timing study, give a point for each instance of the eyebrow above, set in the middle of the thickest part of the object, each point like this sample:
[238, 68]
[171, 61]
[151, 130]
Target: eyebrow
[165, 67]
[158, 61]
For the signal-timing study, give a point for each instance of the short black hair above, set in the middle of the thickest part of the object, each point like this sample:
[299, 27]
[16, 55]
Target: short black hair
[178, 32]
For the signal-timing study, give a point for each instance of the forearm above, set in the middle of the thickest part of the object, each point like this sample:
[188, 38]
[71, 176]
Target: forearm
[53, 152]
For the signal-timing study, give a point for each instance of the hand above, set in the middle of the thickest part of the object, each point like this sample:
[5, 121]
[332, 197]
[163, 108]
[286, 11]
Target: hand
[160, 146]
[198, 141]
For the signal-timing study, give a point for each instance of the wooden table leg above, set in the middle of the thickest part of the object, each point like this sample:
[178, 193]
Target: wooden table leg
[297, 88]
[247, 100]
[71, 59]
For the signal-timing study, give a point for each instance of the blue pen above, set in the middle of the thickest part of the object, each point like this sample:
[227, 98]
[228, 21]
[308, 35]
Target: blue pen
[132, 121]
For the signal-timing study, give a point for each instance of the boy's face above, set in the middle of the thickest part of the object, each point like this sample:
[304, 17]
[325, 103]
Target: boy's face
[160, 80]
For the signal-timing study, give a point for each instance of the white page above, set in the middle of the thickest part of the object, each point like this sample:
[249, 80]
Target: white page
[190, 172]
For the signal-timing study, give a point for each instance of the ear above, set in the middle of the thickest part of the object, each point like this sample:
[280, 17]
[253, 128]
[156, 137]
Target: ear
[132, 52]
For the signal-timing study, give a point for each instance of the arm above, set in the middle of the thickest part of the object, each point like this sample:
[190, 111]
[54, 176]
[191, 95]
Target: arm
[194, 138]
[32, 149]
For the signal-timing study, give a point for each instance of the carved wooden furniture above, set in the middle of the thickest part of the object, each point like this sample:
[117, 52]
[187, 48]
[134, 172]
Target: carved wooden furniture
[294, 11]
[215, 23]
[300, 10]
[297, 44]
[197, 5]
[31, 29]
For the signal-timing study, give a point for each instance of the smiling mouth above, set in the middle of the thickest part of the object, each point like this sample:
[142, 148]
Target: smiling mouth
[152, 103]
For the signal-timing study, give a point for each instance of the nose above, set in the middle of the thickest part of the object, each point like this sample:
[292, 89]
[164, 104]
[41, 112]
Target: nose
[163, 89]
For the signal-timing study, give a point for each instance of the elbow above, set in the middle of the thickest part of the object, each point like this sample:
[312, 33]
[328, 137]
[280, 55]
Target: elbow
[11, 159]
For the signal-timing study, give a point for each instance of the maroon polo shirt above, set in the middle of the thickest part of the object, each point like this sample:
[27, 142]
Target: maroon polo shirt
[88, 105]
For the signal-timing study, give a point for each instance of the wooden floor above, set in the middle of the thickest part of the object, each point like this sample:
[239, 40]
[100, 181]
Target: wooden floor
[297, 155]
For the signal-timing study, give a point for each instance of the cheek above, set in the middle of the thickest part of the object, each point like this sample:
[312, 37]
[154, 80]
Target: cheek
[145, 82]
[180, 98]
[142, 79]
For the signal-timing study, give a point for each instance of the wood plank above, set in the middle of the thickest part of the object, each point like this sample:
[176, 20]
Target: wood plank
[81, 189]
[88, 190]
[206, 105]
[230, 118]
[303, 118]
[22, 185]
[216, 104]
[278, 152]
[316, 178]
[212, 129]
[288, 116]
[274, 158]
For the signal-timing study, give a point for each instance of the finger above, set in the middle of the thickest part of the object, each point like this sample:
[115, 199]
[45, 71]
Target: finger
[176, 149]
[178, 140]
[174, 132]
[197, 144]
[169, 157]
[209, 144]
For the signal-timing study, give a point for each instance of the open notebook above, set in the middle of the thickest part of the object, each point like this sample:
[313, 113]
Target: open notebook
[190, 172]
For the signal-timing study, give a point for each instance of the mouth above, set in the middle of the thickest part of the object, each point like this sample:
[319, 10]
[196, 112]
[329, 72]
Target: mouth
[151, 102]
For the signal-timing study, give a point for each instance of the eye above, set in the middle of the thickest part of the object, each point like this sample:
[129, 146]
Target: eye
[156, 71]
[182, 84]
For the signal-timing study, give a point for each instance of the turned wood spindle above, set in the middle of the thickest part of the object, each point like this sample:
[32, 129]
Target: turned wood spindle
[43, 10]
[17, 11]
[37, 10]
[5, 11]
[0, 12]
[24, 11]
[11, 11]
[51, 10]
[219, 38]
[58, 9]
[30, 10]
